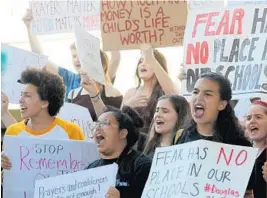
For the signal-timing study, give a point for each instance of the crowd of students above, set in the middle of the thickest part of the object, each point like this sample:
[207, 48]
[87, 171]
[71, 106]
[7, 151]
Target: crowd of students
[129, 128]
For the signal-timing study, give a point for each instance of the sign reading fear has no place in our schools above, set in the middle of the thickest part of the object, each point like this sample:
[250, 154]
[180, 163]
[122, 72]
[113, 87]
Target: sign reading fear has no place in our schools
[232, 42]
[127, 24]
[201, 169]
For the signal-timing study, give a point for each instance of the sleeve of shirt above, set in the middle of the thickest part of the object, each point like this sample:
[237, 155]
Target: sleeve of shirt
[70, 79]
[76, 133]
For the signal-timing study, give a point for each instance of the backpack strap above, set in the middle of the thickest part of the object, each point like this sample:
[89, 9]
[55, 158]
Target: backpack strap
[178, 135]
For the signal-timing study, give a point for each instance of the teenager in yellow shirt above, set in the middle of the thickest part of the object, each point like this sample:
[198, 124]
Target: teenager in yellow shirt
[41, 99]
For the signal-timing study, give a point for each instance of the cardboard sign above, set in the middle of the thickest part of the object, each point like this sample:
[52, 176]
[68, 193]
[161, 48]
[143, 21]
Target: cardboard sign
[88, 48]
[127, 24]
[36, 158]
[232, 42]
[55, 16]
[201, 169]
[93, 183]
[78, 115]
[15, 61]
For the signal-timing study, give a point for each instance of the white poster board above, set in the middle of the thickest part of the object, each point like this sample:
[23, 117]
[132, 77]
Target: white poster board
[13, 62]
[88, 48]
[93, 183]
[230, 41]
[242, 107]
[78, 115]
[198, 4]
[51, 17]
[244, 2]
[201, 169]
[35, 158]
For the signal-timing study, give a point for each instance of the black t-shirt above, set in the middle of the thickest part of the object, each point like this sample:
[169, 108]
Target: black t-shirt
[260, 184]
[239, 141]
[132, 174]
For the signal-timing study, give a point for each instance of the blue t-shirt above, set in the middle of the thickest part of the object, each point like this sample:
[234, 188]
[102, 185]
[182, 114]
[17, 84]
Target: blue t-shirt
[71, 80]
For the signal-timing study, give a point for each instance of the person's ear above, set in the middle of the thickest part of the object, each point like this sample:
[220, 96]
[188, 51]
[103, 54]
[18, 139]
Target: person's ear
[123, 133]
[222, 105]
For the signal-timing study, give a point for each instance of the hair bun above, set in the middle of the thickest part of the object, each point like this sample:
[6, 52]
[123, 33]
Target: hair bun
[134, 115]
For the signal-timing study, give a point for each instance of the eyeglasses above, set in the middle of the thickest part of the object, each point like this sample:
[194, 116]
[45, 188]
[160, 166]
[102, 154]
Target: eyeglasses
[94, 126]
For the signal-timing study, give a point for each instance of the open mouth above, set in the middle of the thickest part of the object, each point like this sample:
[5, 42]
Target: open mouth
[254, 129]
[159, 123]
[143, 70]
[199, 110]
[99, 139]
[23, 109]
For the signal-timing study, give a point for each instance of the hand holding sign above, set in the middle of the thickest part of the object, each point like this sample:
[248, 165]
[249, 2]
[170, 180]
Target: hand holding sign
[88, 84]
[27, 19]
[113, 193]
[264, 171]
[4, 103]
[5, 162]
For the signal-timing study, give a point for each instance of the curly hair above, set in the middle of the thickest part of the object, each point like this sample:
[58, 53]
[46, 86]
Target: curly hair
[50, 87]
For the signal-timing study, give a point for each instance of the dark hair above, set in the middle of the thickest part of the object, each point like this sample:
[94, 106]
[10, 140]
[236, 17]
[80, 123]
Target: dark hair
[50, 87]
[182, 109]
[157, 91]
[227, 127]
[128, 119]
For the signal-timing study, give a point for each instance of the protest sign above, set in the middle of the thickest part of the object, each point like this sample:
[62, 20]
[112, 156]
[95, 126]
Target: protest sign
[243, 2]
[55, 16]
[127, 24]
[198, 4]
[242, 107]
[36, 158]
[78, 115]
[201, 169]
[88, 48]
[93, 183]
[232, 42]
[14, 61]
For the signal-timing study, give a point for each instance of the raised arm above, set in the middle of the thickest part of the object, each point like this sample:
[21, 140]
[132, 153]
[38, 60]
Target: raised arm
[114, 64]
[6, 117]
[163, 78]
[34, 42]
[90, 86]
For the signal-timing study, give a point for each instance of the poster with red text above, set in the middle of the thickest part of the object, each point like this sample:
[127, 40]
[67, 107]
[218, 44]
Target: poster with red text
[36, 158]
[127, 24]
[200, 169]
[232, 42]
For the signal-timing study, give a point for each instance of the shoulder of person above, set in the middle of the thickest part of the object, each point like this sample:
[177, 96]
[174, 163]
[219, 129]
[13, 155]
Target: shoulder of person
[242, 141]
[178, 136]
[15, 128]
[141, 160]
[112, 91]
[73, 130]
[94, 164]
